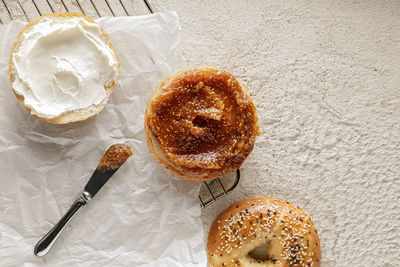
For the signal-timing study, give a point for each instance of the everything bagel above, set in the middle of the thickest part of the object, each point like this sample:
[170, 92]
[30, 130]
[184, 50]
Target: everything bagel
[263, 232]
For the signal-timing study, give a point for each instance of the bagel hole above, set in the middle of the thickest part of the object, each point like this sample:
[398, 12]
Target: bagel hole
[260, 253]
[200, 121]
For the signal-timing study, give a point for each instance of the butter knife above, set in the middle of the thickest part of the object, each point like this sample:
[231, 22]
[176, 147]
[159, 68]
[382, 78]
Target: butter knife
[115, 156]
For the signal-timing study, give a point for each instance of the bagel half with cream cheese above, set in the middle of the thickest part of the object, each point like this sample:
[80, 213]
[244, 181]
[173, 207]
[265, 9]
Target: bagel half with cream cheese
[63, 67]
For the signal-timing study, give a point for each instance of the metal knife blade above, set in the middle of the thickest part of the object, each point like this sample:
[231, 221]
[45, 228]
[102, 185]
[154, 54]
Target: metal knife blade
[115, 156]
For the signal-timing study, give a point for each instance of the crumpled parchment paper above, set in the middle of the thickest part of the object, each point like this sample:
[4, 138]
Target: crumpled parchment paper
[144, 216]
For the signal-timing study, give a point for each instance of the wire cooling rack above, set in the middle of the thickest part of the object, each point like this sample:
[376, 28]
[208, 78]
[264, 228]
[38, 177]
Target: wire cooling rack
[30, 9]
[27, 10]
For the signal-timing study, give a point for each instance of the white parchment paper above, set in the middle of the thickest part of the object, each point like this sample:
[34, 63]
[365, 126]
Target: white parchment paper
[143, 216]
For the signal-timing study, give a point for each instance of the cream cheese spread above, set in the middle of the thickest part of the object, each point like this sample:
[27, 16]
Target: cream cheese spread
[63, 65]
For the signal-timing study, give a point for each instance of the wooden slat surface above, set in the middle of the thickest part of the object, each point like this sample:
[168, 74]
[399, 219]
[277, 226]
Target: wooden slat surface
[29, 9]
[15, 10]
[88, 9]
[5, 16]
[42, 7]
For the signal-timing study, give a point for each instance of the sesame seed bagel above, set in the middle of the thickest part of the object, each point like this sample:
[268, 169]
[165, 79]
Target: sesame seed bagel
[263, 232]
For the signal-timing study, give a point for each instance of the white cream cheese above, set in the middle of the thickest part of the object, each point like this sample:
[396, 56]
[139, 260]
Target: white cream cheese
[63, 65]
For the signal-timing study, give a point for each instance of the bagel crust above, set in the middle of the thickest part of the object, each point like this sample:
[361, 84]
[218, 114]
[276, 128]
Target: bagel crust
[201, 123]
[285, 234]
[71, 115]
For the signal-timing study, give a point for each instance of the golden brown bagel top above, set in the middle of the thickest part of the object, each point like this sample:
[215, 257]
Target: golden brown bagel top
[201, 123]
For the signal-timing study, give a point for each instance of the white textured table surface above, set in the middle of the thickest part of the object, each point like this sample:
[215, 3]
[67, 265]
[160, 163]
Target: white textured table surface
[325, 76]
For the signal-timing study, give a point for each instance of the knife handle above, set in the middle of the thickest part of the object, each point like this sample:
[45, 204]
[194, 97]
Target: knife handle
[47, 242]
